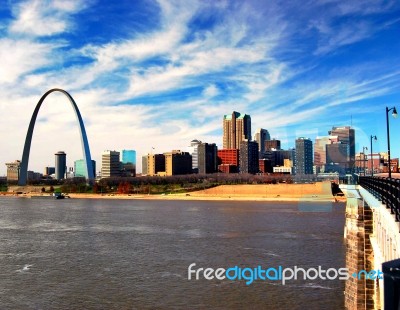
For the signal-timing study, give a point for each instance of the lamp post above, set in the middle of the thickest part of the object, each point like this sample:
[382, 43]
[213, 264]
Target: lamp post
[364, 148]
[372, 159]
[394, 114]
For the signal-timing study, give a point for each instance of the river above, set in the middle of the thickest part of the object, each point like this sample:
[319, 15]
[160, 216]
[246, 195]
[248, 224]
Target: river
[135, 254]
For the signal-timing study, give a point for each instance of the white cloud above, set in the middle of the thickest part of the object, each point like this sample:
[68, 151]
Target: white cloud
[365, 7]
[211, 91]
[43, 18]
[174, 18]
[211, 51]
[68, 6]
[136, 49]
[160, 79]
[259, 81]
[335, 37]
[18, 57]
[342, 23]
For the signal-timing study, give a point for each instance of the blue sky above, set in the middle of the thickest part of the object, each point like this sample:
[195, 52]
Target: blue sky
[161, 73]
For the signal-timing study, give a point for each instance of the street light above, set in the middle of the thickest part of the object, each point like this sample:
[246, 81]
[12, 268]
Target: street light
[372, 159]
[394, 114]
[364, 148]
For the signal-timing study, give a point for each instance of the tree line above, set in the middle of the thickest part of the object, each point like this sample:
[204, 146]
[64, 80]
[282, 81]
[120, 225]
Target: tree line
[157, 184]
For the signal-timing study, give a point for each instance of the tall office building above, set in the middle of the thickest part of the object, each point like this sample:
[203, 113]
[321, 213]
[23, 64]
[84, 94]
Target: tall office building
[248, 157]
[228, 160]
[34, 175]
[320, 146]
[228, 157]
[80, 168]
[13, 170]
[128, 163]
[49, 171]
[61, 165]
[128, 156]
[177, 162]
[237, 128]
[207, 158]
[155, 164]
[144, 165]
[264, 165]
[260, 137]
[272, 145]
[304, 156]
[110, 164]
[346, 135]
[193, 150]
[337, 157]
[276, 158]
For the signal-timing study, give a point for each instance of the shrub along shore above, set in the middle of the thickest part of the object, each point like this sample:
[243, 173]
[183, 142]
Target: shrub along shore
[317, 191]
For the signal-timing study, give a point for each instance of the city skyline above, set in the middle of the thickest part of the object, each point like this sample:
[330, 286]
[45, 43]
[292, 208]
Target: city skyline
[160, 74]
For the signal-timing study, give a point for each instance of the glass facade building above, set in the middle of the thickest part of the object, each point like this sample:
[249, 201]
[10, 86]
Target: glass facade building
[80, 168]
[128, 156]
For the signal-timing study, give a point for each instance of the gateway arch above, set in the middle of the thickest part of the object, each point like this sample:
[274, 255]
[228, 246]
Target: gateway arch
[22, 180]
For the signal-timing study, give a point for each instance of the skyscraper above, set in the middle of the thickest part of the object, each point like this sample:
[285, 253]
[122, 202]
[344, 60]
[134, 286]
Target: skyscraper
[128, 163]
[346, 135]
[272, 145]
[49, 171]
[237, 128]
[228, 160]
[128, 156]
[277, 157]
[248, 157]
[320, 147]
[177, 162]
[260, 137]
[110, 164]
[304, 156]
[155, 164]
[337, 157]
[80, 168]
[193, 150]
[208, 158]
[144, 165]
[61, 165]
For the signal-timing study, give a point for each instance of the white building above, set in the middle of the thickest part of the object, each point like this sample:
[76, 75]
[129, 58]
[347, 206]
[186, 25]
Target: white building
[110, 164]
[282, 169]
[193, 150]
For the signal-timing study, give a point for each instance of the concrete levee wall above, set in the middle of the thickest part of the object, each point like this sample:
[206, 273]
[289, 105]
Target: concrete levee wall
[372, 237]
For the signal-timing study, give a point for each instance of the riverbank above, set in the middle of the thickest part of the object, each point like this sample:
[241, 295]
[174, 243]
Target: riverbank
[319, 191]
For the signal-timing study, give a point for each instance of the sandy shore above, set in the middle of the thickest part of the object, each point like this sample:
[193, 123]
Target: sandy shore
[320, 191]
[212, 198]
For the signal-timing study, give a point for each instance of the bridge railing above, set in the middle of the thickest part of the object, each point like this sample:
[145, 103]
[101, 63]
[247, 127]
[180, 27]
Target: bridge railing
[386, 190]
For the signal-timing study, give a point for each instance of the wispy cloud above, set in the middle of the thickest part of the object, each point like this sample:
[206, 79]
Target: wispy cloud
[18, 57]
[43, 18]
[334, 37]
[342, 23]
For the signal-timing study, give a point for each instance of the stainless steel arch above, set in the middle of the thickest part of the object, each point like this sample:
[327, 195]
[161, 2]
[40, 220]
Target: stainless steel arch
[28, 140]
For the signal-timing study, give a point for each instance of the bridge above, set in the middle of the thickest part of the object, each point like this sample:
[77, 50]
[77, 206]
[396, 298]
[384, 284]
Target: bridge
[372, 237]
